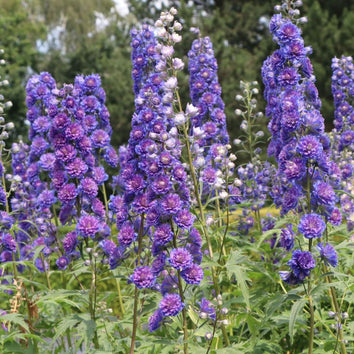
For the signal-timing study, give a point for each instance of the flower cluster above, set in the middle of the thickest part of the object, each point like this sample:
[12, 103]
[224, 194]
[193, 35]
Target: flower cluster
[343, 132]
[299, 143]
[153, 209]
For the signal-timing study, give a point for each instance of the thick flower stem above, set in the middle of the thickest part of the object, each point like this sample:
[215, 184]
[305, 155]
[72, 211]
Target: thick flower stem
[136, 293]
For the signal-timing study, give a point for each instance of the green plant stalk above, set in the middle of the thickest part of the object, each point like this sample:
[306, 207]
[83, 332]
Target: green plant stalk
[180, 290]
[136, 292]
[222, 247]
[93, 299]
[337, 310]
[120, 297]
[311, 309]
[46, 272]
[201, 212]
[249, 125]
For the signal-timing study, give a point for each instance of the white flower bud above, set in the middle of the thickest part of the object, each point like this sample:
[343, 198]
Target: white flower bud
[161, 33]
[167, 51]
[10, 126]
[8, 104]
[238, 98]
[177, 63]
[238, 112]
[158, 23]
[233, 157]
[237, 182]
[255, 91]
[180, 118]
[209, 221]
[176, 38]
[177, 26]
[171, 83]
[223, 194]
[203, 315]
[173, 11]
[191, 110]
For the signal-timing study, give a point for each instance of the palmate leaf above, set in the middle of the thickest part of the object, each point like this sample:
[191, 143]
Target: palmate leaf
[233, 267]
[295, 310]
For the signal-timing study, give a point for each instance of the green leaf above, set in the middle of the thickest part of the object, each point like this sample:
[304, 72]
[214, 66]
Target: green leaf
[295, 310]
[67, 322]
[15, 318]
[233, 267]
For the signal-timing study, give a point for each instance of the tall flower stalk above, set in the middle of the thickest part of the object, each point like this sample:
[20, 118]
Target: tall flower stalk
[302, 151]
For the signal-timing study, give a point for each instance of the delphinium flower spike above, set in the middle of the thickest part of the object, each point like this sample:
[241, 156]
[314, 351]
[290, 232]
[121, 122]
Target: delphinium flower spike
[153, 210]
[343, 133]
[300, 147]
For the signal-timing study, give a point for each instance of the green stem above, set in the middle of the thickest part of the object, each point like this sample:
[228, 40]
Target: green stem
[93, 298]
[337, 310]
[184, 313]
[311, 309]
[136, 293]
[203, 224]
[46, 272]
[120, 297]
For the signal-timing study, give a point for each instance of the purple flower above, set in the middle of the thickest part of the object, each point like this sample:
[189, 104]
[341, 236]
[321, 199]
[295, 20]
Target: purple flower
[180, 258]
[171, 305]
[193, 274]
[67, 193]
[171, 203]
[126, 235]
[301, 263]
[155, 320]
[143, 277]
[335, 217]
[287, 237]
[77, 168]
[100, 138]
[328, 254]
[309, 147]
[324, 193]
[8, 242]
[89, 187]
[74, 131]
[62, 262]
[163, 234]
[108, 247]
[184, 219]
[206, 309]
[88, 226]
[311, 225]
[70, 242]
